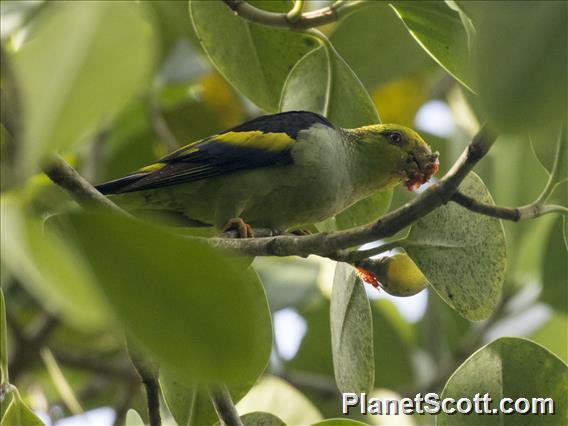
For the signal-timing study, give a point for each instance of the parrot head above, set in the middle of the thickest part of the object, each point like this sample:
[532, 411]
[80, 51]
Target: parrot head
[409, 156]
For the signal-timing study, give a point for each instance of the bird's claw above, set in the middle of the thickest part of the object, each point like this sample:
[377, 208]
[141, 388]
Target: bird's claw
[243, 229]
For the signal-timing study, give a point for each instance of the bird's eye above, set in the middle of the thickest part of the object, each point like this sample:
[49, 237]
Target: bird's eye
[395, 138]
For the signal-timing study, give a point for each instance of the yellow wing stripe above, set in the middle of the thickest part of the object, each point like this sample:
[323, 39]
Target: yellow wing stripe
[152, 167]
[257, 139]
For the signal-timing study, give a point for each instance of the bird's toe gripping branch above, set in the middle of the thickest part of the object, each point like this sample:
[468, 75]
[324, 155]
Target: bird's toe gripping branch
[244, 230]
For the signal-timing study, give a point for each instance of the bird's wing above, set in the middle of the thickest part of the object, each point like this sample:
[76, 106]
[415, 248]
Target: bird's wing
[264, 141]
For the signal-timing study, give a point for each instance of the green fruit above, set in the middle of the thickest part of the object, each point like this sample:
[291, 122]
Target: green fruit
[399, 276]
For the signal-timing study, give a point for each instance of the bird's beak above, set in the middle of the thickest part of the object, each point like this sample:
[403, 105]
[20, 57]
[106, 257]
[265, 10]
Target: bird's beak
[426, 165]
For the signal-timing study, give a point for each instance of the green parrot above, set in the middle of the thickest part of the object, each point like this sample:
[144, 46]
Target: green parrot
[280, 171]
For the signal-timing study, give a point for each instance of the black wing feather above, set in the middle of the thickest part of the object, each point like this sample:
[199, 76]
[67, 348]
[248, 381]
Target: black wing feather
[210, 157]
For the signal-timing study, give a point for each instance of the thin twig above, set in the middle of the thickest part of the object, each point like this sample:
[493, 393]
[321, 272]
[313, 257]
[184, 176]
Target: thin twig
[302, 21]
[530, 211]
[153, 399]
[224, 406]
[147, 369]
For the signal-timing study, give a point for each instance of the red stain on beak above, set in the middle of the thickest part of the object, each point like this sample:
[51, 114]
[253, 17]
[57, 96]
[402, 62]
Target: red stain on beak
[424, 176]
[368, 277]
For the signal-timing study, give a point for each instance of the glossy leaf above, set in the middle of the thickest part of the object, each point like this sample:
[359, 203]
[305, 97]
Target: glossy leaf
[274, 395]
[69, 85]
[254, 58]
[440, 32]
[322, 82]
[520, 61]
[500, 362]
[174, 296]
[351, 332]
[50, 269]
[555, 269]
[461, 253]
[18, 413]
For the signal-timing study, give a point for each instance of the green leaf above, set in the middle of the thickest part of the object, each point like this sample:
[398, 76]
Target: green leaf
[69, 85]
[440, 32]
[463, 254]
[552, 335]
[496, 369]
[50, 268]
[521, 88]
[190, 404]
[322, 82]
[3, 342]
[391, 335]
[555, 270]
[254, 58]
[133, 418]
[364, 211]
[288, 281]
[18, 413]
[274, 395]
[178, 396]
[174, 295]
[351, 332]
[339, 422]
[383, 32]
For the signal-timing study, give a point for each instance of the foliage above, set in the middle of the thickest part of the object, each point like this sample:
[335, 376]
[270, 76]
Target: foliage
[112, 86]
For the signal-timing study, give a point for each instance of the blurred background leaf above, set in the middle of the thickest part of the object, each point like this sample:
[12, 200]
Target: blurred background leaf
[177, 316]
[520, 61]
[111, 44]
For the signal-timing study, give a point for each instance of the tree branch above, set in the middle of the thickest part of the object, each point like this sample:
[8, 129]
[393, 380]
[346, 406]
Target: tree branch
[77, 186]
[224, 406]
[293, 19]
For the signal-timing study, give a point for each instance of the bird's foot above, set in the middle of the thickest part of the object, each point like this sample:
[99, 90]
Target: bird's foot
[302, 232]
[243, 229]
